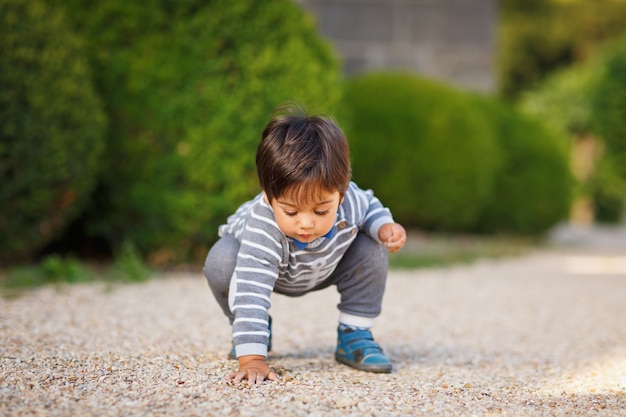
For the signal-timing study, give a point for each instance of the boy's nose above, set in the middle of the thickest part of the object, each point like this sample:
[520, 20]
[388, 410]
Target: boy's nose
[306, 222]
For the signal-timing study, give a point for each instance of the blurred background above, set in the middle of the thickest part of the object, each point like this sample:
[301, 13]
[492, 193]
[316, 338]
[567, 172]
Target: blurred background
[128, 129]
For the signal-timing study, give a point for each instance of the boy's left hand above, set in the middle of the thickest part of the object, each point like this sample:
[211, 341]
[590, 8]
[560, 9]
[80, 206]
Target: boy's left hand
[393, 236]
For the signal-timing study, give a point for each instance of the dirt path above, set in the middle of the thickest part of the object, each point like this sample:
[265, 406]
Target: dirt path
[540, 335]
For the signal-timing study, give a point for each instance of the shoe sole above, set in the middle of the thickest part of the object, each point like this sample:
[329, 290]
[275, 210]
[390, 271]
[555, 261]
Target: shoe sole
[379, 369]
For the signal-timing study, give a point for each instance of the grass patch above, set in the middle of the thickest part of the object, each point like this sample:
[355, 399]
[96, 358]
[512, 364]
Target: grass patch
[58, 270]
[421, 251]
[428, 251]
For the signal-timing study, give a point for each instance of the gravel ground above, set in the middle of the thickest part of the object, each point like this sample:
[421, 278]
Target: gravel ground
[539, 335]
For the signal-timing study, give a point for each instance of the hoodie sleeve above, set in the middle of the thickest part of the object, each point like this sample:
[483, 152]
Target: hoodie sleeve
[256, 271]
[369, 211]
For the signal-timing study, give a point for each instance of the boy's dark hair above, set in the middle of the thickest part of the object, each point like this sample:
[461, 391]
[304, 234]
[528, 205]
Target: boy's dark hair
[300, 155]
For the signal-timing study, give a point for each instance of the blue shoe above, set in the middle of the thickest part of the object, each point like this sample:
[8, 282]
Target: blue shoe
[357, 348]
[233, 354]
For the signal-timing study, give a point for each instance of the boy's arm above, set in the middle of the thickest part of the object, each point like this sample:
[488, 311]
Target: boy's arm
[256, 270]
[254, 369]
[371, 213]
[378, 221]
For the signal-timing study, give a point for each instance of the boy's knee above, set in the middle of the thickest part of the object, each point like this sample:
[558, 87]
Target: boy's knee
[373, 252]
[220, 261]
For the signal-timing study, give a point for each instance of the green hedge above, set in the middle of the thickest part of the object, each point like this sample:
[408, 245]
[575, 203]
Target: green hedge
[608, 100]
[608, 110]
[607, 188]
[563, 100]
[534, 184]
[427, 153]
[609, 104]
[590, 99]
[538, 37]
[448, 160]
[51, 127]
[189, 87]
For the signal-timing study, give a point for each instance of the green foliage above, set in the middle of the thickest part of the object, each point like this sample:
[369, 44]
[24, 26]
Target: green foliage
[189, 87]
[563, 100]
[538, 37]
[129, 266]
[53, 269]
[609, 104]
[586, 100]
[446, 160]
[51, 127]
[58, 269]
[425, 150]
[534, 184]
[608, 191]
[533, 42]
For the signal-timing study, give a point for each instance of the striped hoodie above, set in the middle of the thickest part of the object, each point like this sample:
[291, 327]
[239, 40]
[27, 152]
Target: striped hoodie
[268, 260]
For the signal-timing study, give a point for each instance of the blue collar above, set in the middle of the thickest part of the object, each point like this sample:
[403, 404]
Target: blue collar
[302, 245]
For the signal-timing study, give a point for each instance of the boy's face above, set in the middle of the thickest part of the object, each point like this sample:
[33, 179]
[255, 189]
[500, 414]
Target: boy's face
[306, 221]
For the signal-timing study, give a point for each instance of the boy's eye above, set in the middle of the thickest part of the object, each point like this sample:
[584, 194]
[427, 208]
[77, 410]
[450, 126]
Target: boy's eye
[293, 213]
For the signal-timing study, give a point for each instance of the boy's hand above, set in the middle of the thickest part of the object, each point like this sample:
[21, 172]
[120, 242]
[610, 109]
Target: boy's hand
[254, 369]
[393, 236]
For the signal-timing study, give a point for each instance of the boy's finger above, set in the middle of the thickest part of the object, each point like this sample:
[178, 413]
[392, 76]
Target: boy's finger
[273, 376]
[240, 376]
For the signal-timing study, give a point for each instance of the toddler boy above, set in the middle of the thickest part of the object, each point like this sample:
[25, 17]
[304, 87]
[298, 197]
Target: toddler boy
[310, 228]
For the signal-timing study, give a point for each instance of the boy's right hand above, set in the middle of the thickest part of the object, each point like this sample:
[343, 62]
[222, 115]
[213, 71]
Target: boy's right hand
[254, 369]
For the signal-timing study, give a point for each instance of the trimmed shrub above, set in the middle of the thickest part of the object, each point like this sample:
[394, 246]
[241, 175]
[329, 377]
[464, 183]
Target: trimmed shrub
[189, 87]
[609, 102]
[562, 101]
[534, 184]
[424, 149]
[566, 103]
[609, 119]
[607, 188]
[539, 37]
[51, 127]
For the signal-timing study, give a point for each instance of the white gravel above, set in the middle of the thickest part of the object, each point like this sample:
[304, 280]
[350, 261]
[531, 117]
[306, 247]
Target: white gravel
[530, 336]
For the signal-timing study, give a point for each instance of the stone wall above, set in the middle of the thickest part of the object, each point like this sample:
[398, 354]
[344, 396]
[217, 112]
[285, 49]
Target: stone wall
[451, 40]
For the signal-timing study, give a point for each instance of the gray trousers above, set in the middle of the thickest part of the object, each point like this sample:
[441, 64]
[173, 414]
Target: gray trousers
[360, 276]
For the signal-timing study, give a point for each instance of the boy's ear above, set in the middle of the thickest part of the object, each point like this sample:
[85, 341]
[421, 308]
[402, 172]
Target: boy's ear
[267, 200]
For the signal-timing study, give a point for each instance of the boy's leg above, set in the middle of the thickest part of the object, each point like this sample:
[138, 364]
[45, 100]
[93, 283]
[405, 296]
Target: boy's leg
[360, 278]
[218, 270]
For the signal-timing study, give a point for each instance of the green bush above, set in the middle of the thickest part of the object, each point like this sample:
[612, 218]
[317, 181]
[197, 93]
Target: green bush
[189, 87]
[424, 149]
[533, 42]
[538, 37]
[51, 127]
[609, 104]
[607, 188]
[129, 266]
[563, 100]
[578, 102]
[54, 268]
[534, 184]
